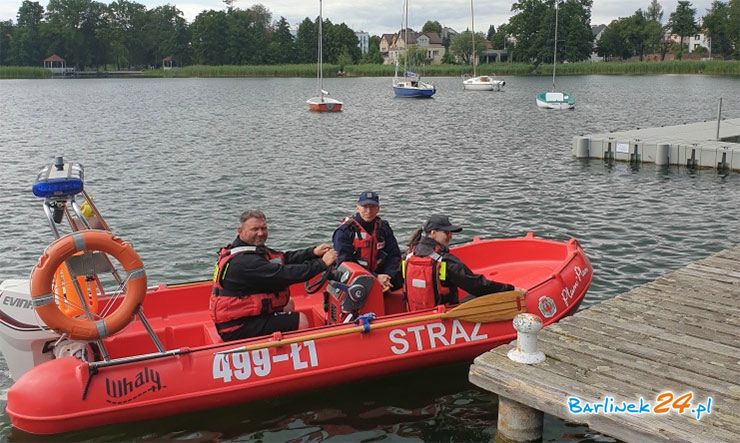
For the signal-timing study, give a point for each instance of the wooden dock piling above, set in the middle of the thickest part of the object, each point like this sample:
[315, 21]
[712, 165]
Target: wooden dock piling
[650, 347]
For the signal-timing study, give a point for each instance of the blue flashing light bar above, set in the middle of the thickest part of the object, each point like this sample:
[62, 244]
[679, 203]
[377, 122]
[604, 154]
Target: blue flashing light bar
[59, 180]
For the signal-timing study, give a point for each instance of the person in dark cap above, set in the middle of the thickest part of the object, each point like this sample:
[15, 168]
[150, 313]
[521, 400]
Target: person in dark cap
[433, 275]
[367, 239]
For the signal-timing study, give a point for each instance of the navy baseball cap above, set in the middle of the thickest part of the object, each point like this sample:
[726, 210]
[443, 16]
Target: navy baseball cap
[439, 222]
[369, 198]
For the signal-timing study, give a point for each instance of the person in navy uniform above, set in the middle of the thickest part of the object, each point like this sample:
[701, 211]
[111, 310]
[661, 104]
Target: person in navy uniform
[367, 239]
[250, 294]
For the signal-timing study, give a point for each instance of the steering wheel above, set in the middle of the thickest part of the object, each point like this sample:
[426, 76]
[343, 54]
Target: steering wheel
[330, 274]
[312, 288]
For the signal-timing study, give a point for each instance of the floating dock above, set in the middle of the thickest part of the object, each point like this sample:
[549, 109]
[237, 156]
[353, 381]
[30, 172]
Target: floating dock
[654, 345]
[693, 145]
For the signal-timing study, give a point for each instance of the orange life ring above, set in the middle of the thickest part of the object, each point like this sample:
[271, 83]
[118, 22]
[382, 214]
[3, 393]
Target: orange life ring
[65, 247]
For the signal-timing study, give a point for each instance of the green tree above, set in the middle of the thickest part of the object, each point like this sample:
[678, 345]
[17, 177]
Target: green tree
[734, 27]
[306, 41]
[462, 46]
[432, 26]
[683, 22]
[167, 34]
[533, 29]
[6, 32]
[126, 22]
[490, 35]
[281, 49]
[338, 39]
[575, 31]
[210, 37]
[499, 40]
[26, 46]
[373, 52]
[654, 12]
[716, 23]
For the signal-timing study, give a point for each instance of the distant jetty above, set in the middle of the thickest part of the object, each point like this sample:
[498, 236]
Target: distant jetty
[706, 144]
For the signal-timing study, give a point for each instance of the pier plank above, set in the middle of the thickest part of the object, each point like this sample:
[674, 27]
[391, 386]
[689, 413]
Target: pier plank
[678, 333]
[660, 340]
[696, 361]
[697, 344]
[697, 307]
[673, 320]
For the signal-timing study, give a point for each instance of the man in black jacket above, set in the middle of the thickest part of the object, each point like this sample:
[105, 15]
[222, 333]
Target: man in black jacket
[250, 294]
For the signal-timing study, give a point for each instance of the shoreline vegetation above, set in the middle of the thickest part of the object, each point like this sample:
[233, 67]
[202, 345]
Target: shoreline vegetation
[709, 67]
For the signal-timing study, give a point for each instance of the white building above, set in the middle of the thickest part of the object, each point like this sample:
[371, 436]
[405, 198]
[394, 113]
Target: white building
[697, 41]
[364, 41]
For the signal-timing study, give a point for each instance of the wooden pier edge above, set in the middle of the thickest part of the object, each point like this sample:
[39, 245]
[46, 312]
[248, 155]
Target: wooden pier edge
[679, 333]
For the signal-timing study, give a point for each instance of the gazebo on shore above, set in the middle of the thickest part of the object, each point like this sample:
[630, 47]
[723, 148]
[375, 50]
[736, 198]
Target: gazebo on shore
[56, 64]
[168, 62]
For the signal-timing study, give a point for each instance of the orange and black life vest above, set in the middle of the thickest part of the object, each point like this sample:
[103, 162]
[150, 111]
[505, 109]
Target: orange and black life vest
[228, 305]
[367, 246]
[423, 277]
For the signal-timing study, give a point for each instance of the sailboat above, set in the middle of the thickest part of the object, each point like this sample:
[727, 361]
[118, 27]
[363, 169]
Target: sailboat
[322, 103]
[554, 99]
[484, 82]
[409, 85]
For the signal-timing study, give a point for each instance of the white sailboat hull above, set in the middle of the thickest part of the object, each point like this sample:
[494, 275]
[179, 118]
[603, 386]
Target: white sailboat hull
[483, 83]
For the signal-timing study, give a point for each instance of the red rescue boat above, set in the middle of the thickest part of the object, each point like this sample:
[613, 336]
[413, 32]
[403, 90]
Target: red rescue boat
[102, 357]
[196, 371]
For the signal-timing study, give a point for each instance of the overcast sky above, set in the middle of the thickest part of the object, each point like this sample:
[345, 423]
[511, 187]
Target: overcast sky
[384, 16]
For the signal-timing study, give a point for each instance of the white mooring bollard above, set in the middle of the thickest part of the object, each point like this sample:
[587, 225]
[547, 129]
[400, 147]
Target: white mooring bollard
[527, 326]
[518, 422]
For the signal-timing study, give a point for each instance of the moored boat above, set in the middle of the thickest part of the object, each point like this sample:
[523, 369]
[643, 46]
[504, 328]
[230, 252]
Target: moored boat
[555, 99]
[172, 360]
[322, 103]
[483, 83]
[475, 82]
[410, 84]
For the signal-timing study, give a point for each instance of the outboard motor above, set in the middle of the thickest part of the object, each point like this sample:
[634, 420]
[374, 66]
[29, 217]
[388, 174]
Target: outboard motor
[354, 292]
[23, 339]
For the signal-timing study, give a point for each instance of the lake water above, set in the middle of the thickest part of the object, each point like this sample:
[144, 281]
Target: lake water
[172, 163]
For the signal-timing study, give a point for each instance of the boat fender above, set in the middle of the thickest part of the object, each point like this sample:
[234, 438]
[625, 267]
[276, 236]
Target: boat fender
[59, 252]
[365, 320]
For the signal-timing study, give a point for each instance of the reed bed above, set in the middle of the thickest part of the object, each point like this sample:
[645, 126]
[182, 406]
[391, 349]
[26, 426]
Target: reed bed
[711, 67]
[24, 72]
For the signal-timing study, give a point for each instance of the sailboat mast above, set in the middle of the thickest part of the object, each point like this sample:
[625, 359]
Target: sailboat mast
[406, 39]
[320, 73]
[472, 31]
[555, 52]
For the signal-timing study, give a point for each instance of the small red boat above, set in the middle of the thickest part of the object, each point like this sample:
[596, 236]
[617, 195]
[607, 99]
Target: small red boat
[169, 359]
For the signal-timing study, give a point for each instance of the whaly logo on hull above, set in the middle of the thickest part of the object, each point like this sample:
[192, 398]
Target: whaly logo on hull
[126, 389]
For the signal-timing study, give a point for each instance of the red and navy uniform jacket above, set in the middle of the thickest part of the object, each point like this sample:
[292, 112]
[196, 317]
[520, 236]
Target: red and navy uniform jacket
[254, 281]
[373, 245]
[423, 263]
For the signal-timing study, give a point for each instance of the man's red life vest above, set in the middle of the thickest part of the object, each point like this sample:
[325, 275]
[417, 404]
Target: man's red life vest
[228, 305]
[423, 276]
[367, 245]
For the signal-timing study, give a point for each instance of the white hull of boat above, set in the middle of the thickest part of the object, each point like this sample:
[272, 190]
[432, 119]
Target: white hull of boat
[483, 83]
[555, 105]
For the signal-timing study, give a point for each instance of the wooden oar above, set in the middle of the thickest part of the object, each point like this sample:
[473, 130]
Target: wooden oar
[489, 308]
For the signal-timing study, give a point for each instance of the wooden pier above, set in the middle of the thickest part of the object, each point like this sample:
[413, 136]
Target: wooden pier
[677, 334]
